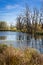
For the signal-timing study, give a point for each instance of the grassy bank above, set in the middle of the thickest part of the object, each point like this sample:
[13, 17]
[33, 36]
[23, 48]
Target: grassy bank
[39, 33]
[14, 56]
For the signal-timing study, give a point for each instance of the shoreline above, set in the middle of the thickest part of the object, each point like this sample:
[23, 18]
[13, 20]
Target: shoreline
[37, 33]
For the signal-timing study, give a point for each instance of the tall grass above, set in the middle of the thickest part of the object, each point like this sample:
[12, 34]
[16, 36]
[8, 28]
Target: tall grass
[13, 56]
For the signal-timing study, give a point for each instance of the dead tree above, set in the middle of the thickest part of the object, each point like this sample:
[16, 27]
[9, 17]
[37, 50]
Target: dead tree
[19, 23]
[36, 13]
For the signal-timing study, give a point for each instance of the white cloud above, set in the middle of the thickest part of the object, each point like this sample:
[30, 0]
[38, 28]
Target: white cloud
[12, 6]
[10, 12]
[41, 0]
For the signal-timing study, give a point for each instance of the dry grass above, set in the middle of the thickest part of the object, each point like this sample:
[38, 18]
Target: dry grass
[13, 56]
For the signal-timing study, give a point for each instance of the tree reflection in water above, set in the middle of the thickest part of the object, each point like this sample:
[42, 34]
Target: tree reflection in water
[3, 37]
[30, 41]
[39, 42]
[22, 40]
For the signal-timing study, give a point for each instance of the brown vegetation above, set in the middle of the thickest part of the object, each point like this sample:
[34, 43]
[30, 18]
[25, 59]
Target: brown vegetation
[13, 56]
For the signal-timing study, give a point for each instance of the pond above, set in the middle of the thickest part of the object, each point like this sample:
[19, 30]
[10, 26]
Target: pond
[22, 40]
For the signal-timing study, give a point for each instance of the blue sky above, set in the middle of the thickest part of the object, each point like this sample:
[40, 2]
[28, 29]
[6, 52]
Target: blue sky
[10, 9]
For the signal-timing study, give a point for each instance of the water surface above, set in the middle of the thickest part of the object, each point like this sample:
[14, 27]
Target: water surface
[22, 40]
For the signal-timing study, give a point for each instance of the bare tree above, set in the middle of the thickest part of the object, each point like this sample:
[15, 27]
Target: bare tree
[19, 23]
[27, 21]
[41, 14]
[35, 18]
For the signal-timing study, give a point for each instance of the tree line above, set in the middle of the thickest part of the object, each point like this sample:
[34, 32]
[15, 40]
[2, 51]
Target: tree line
[4, 26]
[30, 21]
